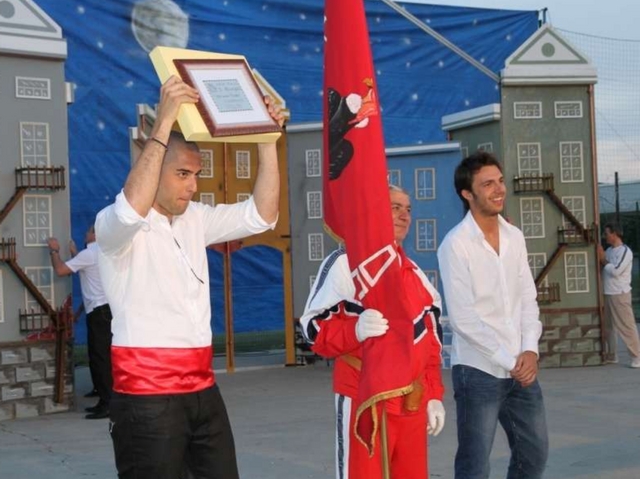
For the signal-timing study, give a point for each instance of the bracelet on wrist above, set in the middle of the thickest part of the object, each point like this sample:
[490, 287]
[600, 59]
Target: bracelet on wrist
[162, 144]
[51, 251]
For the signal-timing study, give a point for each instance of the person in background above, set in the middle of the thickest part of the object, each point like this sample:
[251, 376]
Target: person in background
[85, 263]
[617, 263]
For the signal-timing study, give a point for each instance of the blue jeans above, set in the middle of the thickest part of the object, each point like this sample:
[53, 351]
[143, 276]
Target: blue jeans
[481, 401]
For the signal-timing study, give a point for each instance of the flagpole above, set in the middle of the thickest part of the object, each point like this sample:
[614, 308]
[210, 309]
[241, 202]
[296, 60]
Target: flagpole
[384, 446]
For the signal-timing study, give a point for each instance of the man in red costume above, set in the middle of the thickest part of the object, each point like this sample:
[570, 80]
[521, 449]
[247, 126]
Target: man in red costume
[337, 325]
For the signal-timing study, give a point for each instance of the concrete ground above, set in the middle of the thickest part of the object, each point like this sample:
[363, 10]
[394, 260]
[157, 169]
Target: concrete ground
[283, 425]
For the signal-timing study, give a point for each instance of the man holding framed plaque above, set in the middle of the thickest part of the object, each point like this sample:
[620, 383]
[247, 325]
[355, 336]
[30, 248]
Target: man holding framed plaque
[167, 414]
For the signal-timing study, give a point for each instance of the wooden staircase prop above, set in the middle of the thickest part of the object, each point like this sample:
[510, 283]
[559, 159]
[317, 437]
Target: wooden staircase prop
[575, 235]
[34, 178]
[549, 294]
[39, 178]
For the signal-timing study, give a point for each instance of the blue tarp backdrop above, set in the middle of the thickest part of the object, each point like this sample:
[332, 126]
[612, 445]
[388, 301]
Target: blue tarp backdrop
[419, 80]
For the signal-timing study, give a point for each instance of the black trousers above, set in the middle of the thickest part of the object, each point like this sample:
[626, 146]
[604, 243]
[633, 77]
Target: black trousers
[99, 348]
[164, 436]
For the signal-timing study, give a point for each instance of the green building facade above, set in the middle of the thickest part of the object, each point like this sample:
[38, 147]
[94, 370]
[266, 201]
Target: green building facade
[543, 132]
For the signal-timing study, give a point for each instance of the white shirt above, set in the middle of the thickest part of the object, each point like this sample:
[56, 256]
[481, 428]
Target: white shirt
[616, 275]
[155, 273]
[490, 298]
[86, 264]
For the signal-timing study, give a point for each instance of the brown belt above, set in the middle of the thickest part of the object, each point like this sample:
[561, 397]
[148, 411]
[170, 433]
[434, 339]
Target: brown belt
[411, 401]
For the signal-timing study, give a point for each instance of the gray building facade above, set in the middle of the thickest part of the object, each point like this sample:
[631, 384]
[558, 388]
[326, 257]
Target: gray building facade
[34, 304]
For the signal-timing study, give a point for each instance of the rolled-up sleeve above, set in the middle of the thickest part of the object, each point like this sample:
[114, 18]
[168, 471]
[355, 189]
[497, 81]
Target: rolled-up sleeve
[117, 224]
[231, 222]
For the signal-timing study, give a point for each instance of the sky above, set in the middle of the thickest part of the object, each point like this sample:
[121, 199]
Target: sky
[610, 18]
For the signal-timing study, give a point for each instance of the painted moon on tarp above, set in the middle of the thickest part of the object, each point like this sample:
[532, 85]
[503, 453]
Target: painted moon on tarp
[159, 23]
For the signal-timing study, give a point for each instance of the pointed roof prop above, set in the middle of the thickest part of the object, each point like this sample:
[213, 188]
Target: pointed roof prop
[547, 58]
[26, 30]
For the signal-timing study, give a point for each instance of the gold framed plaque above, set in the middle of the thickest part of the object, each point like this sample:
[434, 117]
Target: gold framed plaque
[231, 107]
[231, 102]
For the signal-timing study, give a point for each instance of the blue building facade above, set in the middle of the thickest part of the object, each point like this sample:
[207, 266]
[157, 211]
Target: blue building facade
[426, 173]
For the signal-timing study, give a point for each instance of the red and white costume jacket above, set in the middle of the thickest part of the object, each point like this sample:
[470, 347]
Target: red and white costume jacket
[329, 324]
[156, 277]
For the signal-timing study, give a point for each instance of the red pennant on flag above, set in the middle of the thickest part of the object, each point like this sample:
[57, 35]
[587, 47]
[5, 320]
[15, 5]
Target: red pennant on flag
[358, 209]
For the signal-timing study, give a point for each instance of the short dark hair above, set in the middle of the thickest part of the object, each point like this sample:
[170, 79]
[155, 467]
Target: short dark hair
[466, 170]
[615, 228]
[177, 143]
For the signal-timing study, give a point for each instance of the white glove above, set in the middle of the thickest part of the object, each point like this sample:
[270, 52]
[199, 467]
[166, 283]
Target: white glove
[435, 417]
[371, 324]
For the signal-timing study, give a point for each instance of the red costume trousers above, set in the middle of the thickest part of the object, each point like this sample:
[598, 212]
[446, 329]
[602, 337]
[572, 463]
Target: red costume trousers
[406, 439]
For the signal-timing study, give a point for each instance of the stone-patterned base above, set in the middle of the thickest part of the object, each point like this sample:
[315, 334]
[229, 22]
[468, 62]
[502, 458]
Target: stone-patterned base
[27, 378]
[570, 339]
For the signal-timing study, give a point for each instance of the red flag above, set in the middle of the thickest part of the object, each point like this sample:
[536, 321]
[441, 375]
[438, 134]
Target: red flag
[357, 206]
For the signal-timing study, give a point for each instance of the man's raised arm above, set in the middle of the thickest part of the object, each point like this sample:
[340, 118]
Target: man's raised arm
[142, 183]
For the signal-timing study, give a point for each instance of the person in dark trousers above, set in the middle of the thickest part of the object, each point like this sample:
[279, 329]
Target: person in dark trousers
[167, 412]
[85, 263]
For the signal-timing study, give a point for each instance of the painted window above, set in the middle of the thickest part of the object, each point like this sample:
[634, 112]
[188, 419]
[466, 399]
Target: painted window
[575, 272]
[426, 235]
[432, 276]
[532, 217]
[242, 197]
[243, 164]
[568, 109]
[527, 110]
[36, 211]
[35, 88]
[42, 278]
[488, 147]
[208, 199]
[537, 262]
[425, 179]
[207, 163]
[314, 162]
[34, 144]
[395, 178]
[314, 204]
[465, 152]
[316, 247]
[571, 169]
[529, 161]
[575, 204]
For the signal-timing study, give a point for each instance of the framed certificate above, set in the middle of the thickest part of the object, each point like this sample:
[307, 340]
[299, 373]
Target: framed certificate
[231, 102]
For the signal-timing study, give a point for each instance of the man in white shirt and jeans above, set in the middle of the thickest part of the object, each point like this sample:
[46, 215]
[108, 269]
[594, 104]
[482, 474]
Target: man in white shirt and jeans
[167, 414]
[617, 263]
[491, 301]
